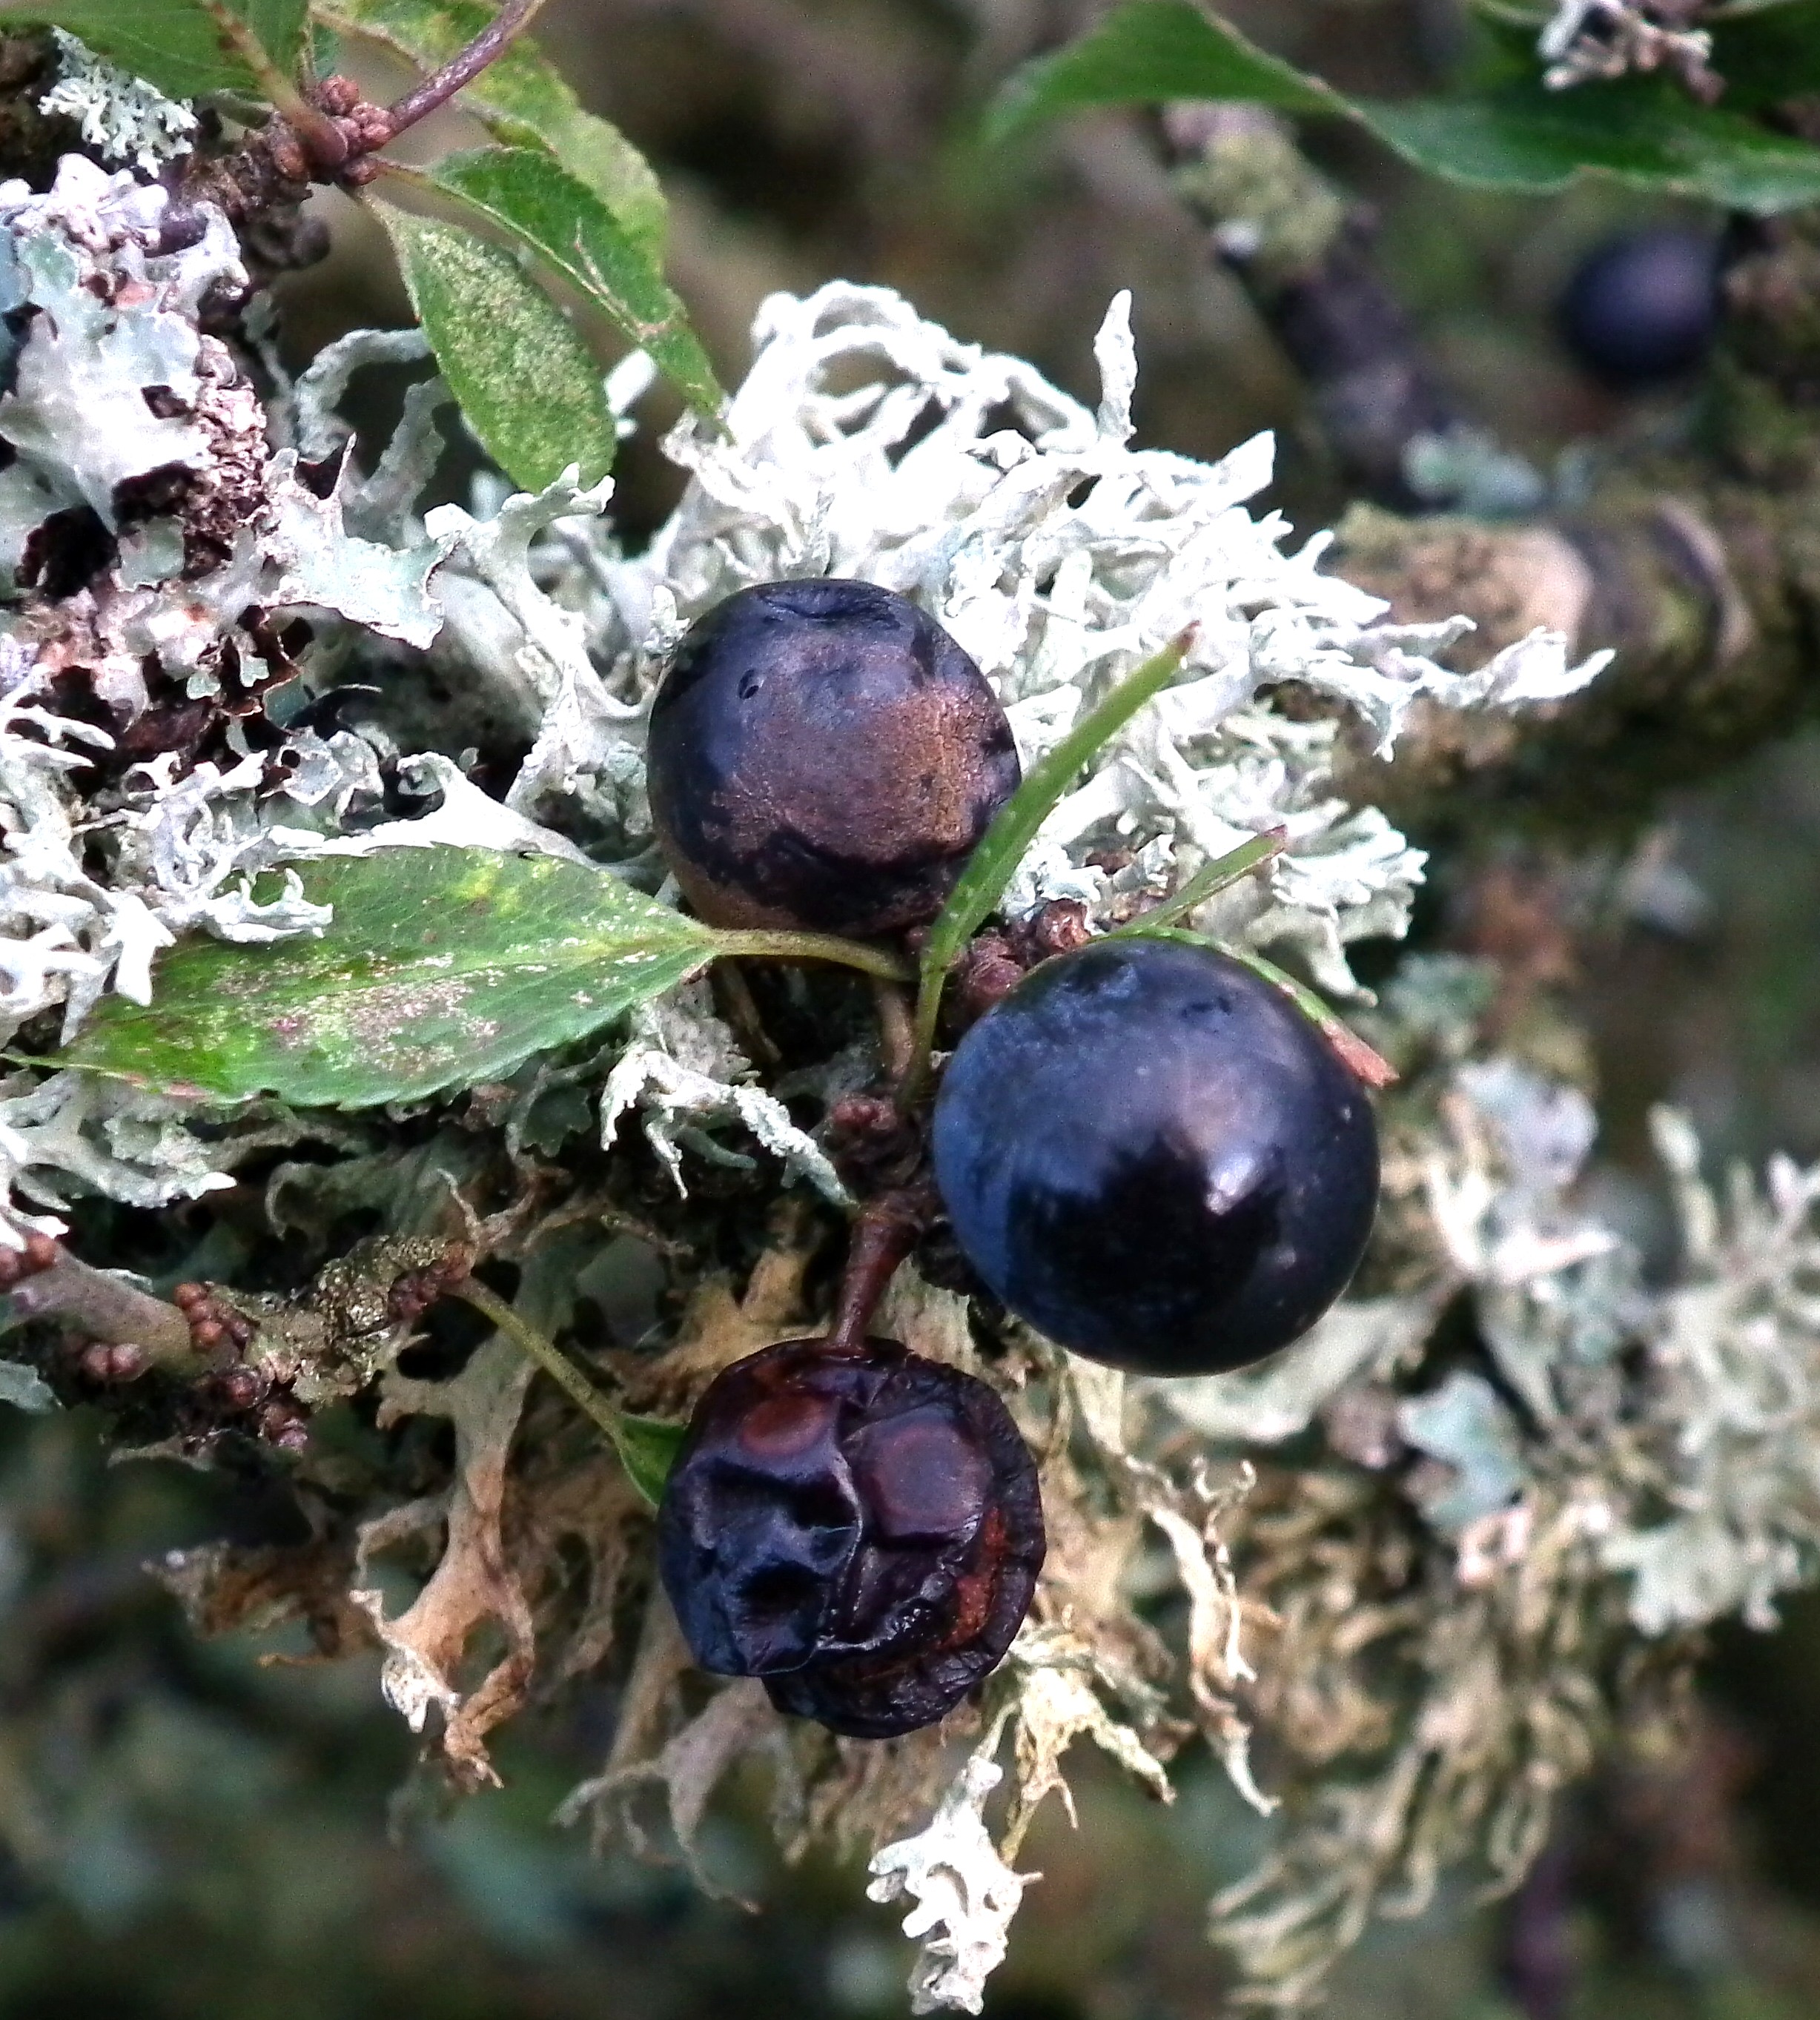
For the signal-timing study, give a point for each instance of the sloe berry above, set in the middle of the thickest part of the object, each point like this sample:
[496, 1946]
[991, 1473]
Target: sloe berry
[861, 1530]
[823, 756]
[1152, 1156]
[1643, 307]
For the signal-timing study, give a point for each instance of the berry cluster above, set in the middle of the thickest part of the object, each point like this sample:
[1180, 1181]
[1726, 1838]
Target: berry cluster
[1140, 1147]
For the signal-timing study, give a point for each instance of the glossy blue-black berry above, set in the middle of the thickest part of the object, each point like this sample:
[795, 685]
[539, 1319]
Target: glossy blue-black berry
[823, 755]
[1153, 1157]
[1642, 308]
[861, 1529]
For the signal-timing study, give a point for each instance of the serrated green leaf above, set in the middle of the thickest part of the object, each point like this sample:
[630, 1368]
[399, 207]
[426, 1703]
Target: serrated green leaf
[567, 226]
[1642, 131]
[180, 45]
[528, 384]
[442, 968]
[521, 99]
[1512, 134]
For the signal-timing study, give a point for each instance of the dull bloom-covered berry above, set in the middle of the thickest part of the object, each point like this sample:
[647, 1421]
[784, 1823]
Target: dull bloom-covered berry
[1152, 1156]
[861, 1530]
[823, 755]
[1643, 307]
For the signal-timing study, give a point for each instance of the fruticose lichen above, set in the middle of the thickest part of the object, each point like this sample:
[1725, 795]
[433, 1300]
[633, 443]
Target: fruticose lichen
[1589, 39]
[1464, 1550]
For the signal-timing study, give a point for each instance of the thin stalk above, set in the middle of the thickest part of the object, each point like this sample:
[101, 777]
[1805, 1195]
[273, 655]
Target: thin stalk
[1014, 828]
[1369, 1064]
[929, 987]
[555, 1364]
[761, 944]
[463, 67]
[885, 1233]
[896, 1033]
[323, 138]
[644, 1445]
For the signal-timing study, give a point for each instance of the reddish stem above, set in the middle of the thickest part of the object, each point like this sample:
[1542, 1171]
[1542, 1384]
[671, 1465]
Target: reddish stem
[883, 1235]
[463, 67]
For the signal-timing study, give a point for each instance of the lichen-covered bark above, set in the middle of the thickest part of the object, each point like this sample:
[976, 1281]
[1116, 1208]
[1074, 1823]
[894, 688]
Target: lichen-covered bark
[1701, 570]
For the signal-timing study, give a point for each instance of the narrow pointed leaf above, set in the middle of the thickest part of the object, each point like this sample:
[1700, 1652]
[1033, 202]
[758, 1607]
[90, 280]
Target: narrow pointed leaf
[1208, 881]
[521, 99]
[563, 223]
[442, 968]
[990, 868]
[179, 46]
[647, 1447]
[529, 386]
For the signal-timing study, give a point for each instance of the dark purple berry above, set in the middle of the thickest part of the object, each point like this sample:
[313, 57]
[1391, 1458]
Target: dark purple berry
[1643, 307]
[1152, 1156]
[863, 1531]
[823, 756]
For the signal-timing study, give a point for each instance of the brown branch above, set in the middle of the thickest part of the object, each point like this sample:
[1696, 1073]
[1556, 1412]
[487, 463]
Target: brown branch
[1701, 570]
[1301, 251]
[106, 1308]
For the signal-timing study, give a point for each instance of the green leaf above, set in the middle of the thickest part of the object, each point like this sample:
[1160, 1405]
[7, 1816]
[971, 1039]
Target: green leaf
[24, 1388]
[1642, 131]
[180, 45]
[1142, 53]
[528, 384]
[442, 968]
[1511, 133]
[521, 99]
[647, 1447]
[567, 226]
[1771, 56]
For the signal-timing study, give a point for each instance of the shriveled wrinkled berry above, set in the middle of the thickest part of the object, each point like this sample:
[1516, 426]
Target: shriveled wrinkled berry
[823, 756]
[862, 1531]
[1153, 1157]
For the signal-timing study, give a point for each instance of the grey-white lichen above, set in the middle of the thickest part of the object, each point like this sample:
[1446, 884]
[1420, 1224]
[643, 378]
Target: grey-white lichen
[128, 122]
[1587, 40]
[1613, 1462]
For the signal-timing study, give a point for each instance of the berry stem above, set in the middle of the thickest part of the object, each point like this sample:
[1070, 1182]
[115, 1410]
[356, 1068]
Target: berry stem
[763, 944]
[463, 67]
[883, 1235]
[896, 1031]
